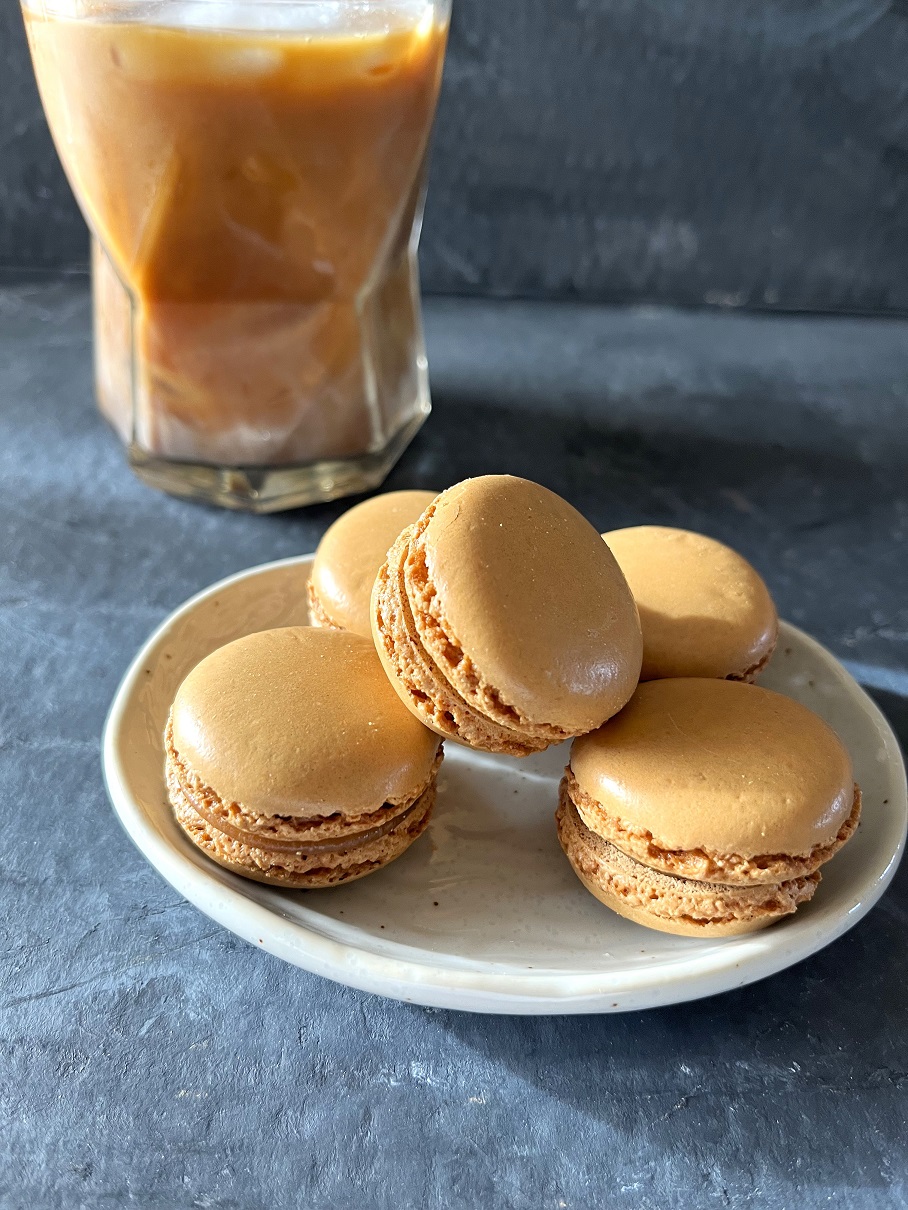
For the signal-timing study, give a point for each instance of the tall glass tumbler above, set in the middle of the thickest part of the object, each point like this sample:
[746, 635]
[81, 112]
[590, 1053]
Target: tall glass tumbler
[253, 174]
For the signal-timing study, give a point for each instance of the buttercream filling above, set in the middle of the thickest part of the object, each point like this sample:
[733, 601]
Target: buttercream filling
[255, 840]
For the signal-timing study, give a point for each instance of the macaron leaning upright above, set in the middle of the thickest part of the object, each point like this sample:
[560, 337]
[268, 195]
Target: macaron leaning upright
[707, 807]
[349, 556]
[502, 619]
[704, 610]
[291, 761]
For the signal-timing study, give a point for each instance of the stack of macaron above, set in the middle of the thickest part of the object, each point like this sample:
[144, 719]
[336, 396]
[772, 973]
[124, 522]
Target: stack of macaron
[289, 759]
[494, 615]
[707, 807]
[503, 620]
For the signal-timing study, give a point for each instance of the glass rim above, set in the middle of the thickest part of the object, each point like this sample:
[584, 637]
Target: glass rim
[90, 7]
[151, 11]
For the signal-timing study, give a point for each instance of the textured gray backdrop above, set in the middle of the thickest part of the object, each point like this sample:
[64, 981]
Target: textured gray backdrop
[730, 152]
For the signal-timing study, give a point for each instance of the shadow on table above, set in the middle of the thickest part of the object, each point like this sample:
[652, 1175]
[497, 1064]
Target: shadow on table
[804, 1068]
[798, 1080]
[618, 470]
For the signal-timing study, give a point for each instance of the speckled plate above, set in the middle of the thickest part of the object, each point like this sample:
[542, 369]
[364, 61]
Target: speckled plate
[484, 912]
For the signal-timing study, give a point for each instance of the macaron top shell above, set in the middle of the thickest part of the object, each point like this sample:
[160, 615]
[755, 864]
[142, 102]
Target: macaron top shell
[354, 548]
[300, 722]
[719, 765]
[703, 609]
[530, 594]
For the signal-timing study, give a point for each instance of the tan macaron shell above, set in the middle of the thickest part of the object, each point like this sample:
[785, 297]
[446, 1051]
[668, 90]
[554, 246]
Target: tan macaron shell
[350, 554]
[719, 766]
[523, 597]
[300, 722]
[421, 683]
[704, 610]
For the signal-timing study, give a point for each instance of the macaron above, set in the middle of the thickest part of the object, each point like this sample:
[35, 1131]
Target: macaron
[704, 610]
[349, 556]
[707, 807]
[290, 759]
[502, 619]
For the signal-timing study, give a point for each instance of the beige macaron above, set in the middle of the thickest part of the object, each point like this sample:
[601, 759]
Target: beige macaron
[349, 556]
[704, 610]
[707, 807]
[503, 620]
[290, 760]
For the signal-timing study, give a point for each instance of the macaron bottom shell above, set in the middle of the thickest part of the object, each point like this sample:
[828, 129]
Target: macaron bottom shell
[307, 868]
[668, 903]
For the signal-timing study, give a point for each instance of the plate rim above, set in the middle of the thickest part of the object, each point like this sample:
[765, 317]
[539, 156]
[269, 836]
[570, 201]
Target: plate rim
[410, 980]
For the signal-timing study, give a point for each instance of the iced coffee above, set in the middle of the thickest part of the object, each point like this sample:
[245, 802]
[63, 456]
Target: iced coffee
[253, 176]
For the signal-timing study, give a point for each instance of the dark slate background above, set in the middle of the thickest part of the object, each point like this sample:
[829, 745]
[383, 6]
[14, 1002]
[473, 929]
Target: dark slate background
[727, 152]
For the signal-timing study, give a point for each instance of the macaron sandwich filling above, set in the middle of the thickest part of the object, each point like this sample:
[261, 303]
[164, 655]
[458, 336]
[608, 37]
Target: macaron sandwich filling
[426, 657]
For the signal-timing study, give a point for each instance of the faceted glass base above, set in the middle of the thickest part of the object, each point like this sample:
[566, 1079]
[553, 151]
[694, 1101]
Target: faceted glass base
[264, 489]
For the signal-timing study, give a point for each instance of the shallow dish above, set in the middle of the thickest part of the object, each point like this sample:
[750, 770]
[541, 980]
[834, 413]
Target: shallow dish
[484, 913]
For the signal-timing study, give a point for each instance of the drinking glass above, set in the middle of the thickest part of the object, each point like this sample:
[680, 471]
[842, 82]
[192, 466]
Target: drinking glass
[253, 174]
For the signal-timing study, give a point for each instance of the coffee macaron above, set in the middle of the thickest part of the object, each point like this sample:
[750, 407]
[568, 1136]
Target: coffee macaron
[704, 610]
[350, 554]
[290, 759]
[707, 807]
[503, 621]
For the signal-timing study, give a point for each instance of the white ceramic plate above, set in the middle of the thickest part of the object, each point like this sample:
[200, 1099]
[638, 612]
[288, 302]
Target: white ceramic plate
[484, 912]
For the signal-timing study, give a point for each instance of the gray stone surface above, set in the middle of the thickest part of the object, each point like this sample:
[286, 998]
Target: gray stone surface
[149, 1058]
[742, 153]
